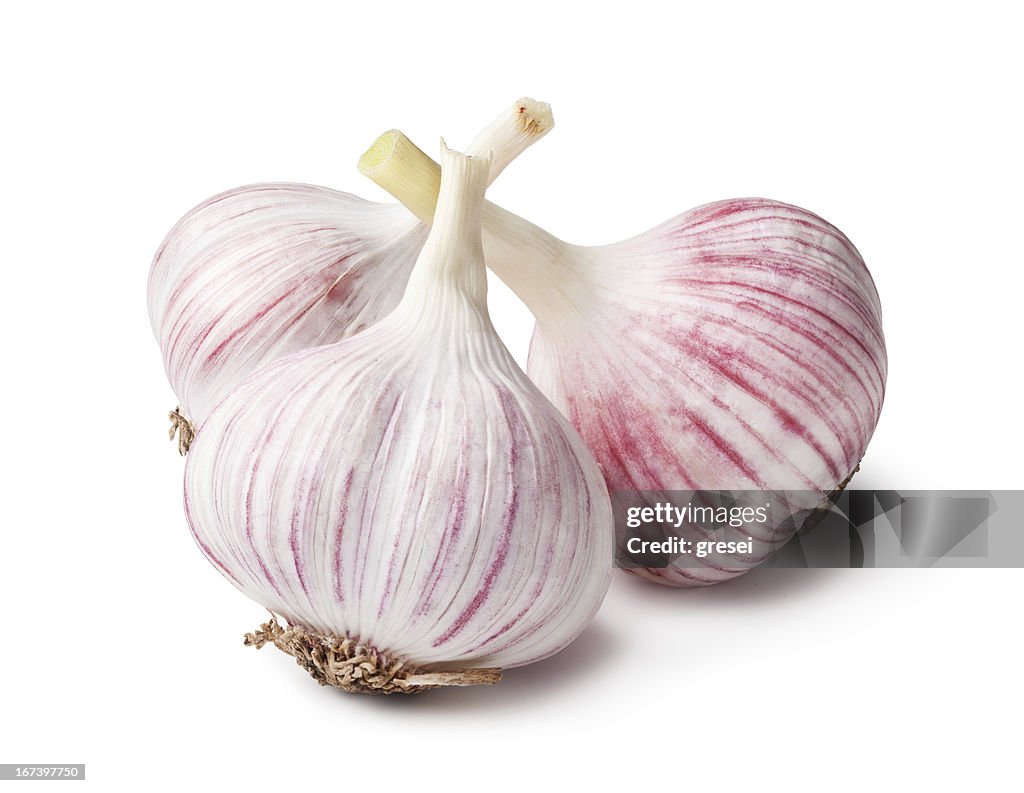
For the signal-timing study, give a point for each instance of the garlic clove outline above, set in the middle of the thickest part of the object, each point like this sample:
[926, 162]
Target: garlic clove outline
[737, 346]
[406, 498]
[260, 271]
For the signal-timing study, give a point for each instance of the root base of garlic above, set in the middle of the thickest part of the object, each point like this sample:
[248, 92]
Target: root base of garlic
[183, 428]
[825, 507]
[352, 666]
[842, 485]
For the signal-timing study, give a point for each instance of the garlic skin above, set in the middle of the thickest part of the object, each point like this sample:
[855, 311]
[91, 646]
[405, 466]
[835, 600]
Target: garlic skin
[738, 346]
[409, 488]
[264, 270]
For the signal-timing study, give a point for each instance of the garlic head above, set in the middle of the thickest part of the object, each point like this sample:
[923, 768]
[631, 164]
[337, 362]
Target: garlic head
[407, 495]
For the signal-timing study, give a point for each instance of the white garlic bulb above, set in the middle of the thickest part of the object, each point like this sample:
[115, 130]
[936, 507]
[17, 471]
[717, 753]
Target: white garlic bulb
[261, 271]
[735, 347]
[406, 498]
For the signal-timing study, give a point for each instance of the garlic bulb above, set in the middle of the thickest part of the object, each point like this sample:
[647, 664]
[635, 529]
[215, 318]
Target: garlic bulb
[261, 271]
[737, 346]
[406, 498]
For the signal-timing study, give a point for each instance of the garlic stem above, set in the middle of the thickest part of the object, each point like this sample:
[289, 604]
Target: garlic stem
[453, 252]
[540, 268]
[397, 164]
[512, 133]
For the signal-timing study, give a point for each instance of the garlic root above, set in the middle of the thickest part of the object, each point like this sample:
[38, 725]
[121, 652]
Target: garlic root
[183, 428]
[358, 668]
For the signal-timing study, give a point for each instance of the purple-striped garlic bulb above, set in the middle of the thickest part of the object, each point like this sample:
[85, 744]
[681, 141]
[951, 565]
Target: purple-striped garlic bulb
[406, 498]
[261, 271]
[735, 347]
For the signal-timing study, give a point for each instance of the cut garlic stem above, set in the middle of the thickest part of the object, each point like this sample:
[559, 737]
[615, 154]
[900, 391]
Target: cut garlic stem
[397, 164]
[512, 133]
[450, 259]
[520, 253]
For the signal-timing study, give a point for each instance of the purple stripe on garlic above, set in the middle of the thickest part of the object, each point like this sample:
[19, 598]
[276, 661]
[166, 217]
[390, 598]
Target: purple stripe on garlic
[408, 491]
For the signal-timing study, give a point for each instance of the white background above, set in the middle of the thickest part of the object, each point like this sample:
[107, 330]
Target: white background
[120, 645]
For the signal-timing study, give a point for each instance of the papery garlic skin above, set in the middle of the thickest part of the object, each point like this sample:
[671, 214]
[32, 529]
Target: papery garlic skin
[409, 486]
[261, 271]
[738, 346]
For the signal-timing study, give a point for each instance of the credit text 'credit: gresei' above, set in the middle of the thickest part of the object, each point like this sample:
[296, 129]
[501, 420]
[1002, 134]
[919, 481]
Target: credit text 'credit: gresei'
[701, 548]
